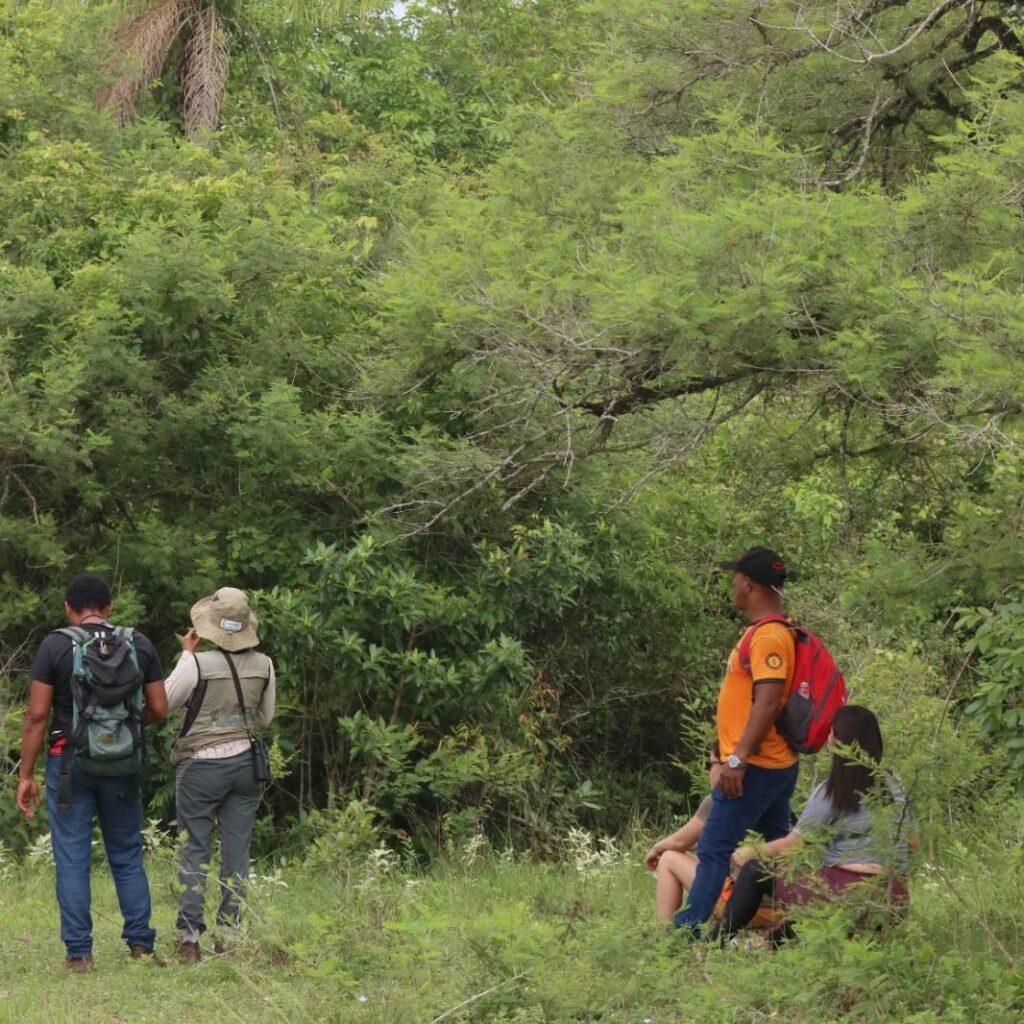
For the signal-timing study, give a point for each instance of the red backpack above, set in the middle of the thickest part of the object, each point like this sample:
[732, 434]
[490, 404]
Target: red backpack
[817, 693]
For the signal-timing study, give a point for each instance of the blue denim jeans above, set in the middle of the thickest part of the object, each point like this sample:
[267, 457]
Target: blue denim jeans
[763, 807]
[118, 806]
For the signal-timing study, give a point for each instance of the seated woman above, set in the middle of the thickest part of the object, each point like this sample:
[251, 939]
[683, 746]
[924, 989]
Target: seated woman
[860, 845]
[674, 865]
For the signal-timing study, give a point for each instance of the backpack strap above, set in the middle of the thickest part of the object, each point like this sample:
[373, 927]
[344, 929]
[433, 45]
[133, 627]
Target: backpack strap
[257, 749]
[74, 741]
[134, 705]
[79, 637]
[195, 702]
[748, 636]
[76, 634]
[64, 783]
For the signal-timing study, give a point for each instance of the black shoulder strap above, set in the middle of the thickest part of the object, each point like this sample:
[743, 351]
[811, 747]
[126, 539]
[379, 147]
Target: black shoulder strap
[238, 689]
[195, 702]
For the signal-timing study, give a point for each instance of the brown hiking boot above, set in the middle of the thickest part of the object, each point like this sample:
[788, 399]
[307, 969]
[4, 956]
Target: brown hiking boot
[80, 964]
[141, 952]
[221, 949]
[188, 952]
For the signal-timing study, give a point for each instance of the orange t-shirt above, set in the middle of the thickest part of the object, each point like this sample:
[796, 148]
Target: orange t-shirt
[772, 656]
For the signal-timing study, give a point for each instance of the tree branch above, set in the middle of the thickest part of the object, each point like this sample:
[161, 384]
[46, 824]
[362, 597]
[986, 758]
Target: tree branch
[643, 394]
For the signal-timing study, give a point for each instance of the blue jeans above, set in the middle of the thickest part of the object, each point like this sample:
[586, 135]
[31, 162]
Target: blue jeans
[764, 807]
[117, 804]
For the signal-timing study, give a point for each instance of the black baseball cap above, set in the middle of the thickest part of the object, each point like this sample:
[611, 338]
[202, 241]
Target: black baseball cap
[762, 565]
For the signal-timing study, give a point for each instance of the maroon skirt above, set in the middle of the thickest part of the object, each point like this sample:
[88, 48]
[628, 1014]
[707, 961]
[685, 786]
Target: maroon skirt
[827, 883]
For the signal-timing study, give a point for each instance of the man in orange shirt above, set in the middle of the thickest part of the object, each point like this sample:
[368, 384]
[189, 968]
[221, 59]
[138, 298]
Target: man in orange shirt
[759, 768]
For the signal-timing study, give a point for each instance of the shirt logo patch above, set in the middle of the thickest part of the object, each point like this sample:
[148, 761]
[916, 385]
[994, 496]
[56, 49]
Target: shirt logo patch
[773, 660]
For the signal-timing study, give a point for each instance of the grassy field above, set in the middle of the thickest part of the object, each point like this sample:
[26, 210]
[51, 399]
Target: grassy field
[490, 938]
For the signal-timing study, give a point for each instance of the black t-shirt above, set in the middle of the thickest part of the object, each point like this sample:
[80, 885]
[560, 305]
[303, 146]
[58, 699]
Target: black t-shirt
[53, 661]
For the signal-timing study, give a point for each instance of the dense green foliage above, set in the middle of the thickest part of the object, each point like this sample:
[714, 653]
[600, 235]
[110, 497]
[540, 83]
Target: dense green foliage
[470, 341]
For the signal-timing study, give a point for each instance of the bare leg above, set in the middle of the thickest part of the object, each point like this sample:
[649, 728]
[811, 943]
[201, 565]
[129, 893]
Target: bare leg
[674, 877]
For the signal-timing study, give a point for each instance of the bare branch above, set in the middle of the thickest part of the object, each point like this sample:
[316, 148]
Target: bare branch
[709, 426]
[508, 461]
[869, 127]
[915, 31]
[28, 494]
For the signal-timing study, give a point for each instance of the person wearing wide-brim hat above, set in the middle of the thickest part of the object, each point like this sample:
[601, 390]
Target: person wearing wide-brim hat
[227, 692]
[226, 619]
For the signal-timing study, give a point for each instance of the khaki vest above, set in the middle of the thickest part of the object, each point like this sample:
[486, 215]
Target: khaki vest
[220, 718]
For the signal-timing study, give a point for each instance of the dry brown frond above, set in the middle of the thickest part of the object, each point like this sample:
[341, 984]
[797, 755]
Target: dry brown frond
[205, 73]
[145, 41]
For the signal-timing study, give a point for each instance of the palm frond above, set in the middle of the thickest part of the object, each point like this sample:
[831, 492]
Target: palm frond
[205, 71]
[144, 40]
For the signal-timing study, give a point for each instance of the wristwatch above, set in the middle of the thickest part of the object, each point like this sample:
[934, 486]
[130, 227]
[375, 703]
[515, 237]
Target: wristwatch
[732, 761]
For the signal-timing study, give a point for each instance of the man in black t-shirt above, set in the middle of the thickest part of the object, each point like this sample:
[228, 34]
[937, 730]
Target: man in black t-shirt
[114, 800]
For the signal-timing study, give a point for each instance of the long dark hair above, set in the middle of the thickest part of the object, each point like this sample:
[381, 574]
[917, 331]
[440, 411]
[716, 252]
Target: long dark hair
[850, 778]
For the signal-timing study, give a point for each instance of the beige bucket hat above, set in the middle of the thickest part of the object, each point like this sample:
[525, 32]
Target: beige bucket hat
[225, 618]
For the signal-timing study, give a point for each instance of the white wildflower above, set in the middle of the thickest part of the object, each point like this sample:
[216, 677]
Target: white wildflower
[580, 851]
[41, 850]
[609, 852]
[474, 845]
[379, 863]
[154, 838]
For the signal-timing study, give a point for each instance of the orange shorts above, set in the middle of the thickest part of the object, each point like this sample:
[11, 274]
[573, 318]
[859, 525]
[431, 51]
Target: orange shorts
[766, 917]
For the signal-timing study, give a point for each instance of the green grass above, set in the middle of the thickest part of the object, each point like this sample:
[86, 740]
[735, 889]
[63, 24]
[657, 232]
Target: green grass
[516, 942]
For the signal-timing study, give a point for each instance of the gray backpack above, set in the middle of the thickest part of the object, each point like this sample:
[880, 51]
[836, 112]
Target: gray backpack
[106, 690]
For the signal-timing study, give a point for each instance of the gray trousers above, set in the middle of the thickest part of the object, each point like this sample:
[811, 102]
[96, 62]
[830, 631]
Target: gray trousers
[222, 791]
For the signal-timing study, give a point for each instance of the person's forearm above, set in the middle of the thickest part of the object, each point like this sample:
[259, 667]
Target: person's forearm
[682, 839]
[777, 847]
[676, 841]
[767, 851]
[182, 681]
[761, 718]
[33, 732]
